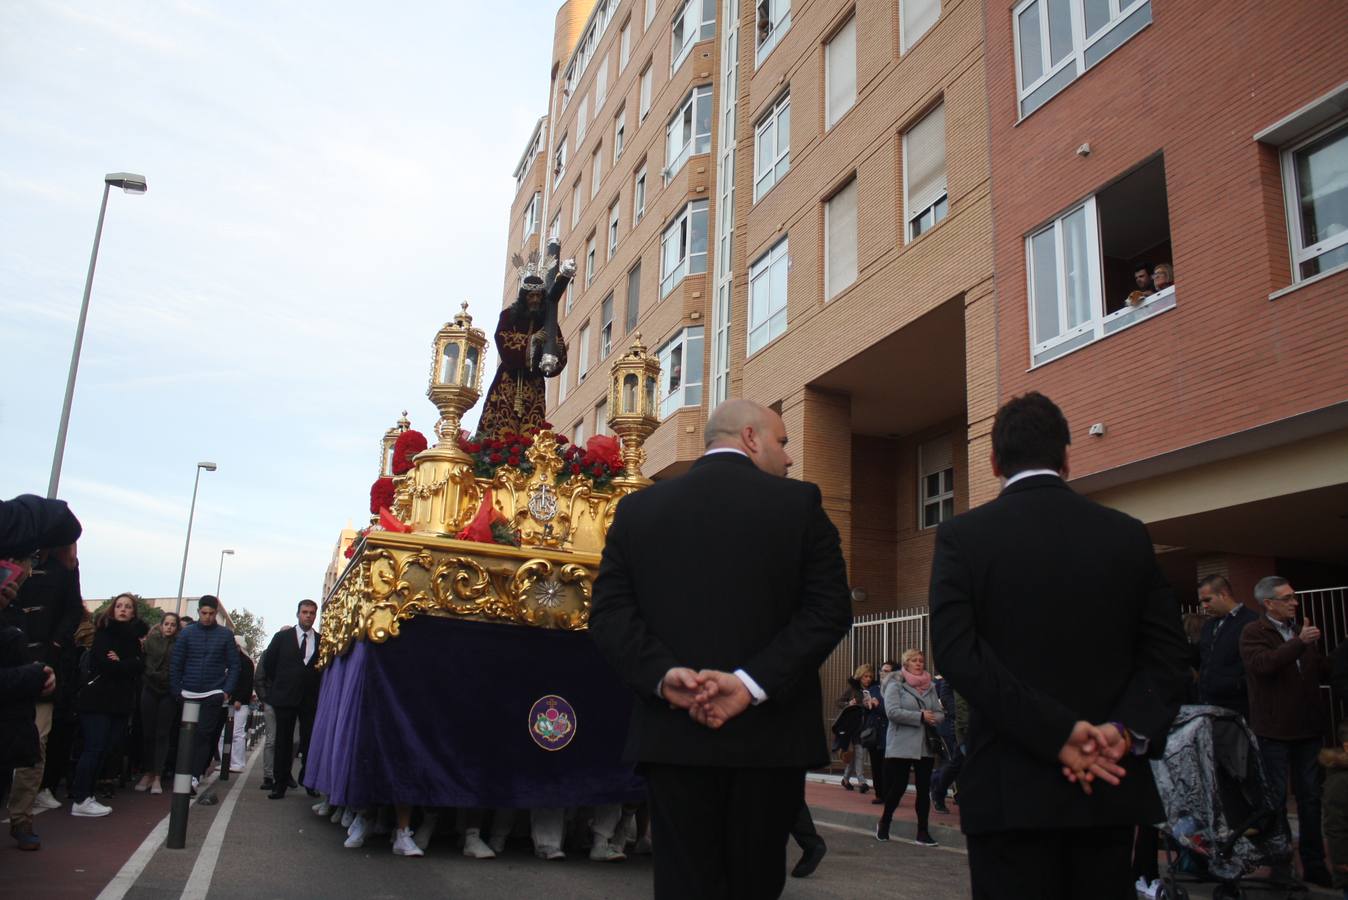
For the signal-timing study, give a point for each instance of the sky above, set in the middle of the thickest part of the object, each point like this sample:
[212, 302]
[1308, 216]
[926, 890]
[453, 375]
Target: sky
[328, 181]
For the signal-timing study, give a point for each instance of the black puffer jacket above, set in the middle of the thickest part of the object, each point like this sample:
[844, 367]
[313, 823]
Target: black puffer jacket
[20, 684]
[112, 687]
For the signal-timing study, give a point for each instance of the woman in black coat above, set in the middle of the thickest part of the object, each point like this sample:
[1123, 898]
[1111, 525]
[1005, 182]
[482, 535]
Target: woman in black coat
[109, 696]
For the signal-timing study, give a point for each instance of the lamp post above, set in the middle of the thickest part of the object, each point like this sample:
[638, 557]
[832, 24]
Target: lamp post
[132, 184]
[221, 573]
[209, 467]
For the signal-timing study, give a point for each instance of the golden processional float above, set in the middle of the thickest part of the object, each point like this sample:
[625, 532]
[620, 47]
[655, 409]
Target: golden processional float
[456, 671]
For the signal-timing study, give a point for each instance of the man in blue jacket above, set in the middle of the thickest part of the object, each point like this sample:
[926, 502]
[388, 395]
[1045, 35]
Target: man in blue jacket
[205, 661]
[1221, 673]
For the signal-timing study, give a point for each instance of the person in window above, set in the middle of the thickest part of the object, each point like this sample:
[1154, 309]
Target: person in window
[1163, 277]
[1141, 284]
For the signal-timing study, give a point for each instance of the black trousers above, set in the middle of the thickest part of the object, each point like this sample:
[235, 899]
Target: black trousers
[1060, 864]
[203, 741]
[286, 717]
[720, 833]
[877, 755]
[896, 785]
[803, 831]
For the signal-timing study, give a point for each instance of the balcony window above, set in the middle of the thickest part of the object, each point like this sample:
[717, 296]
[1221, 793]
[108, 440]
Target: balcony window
[840, 73]
[924, 185]
[767, 297]
[1315, 174]
[559, 163]
[606, 326]
[639, 194]
[772, 18]
[683, 247]
[612, 229]
[681, 371]
[619, 133]
[695, 21]
[1058, 40]
[772, 147]
[689, 131]
[589, 261]
[1086, 268]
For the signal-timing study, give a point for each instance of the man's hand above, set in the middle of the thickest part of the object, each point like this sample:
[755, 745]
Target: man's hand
[49, 685]
[112, 655]
[681, 687]
[1089, 753]
[725, 698]
[1309, 633]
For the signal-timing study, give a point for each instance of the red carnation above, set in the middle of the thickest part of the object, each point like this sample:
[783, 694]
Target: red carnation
[562, 441]
[381, 494]
[575, 468]
[409, 444]
[545, 426]
[496, 457]
[514, 460]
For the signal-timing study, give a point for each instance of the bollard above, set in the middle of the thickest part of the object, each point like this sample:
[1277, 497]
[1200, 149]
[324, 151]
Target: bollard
[182, 776]
[227, 740]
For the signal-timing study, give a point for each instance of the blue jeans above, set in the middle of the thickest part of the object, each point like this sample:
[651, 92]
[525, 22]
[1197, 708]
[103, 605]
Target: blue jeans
[98, 730]
[1297, 759]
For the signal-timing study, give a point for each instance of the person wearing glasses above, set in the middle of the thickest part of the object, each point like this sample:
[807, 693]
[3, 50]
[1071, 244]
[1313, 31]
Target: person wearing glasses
[1283, 670]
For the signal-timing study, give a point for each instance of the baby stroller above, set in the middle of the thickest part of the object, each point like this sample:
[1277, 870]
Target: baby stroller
[1217, 804]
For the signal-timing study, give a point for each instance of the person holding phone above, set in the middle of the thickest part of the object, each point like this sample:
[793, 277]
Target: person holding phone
[914, 710]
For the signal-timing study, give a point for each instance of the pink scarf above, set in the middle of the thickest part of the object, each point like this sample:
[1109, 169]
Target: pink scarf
[920, 683]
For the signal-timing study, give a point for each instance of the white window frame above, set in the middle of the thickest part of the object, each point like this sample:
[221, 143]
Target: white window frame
[625, 45]
[677, 158]
[570, 296]
[606, 326]
[555, 229]
[577, 203]
[833, 116]
[589, 261]
[924, 500]
[773, 321]
[698, 18]
[619, 134]
[601, 85]
[639, 185]
[614, 213]
[583, 356]
[630, 321]
[1292, 199]
[918, 222]
[1121, 12]
[562, 385]
[578, 430]
[582, 119]
[689, 341]
[778, 16]
[769, 127]
[650, 13]
[680, 232]
[601, 416]
[559, 162]
[531, 215]
[644, 92]
[906, 41]
[596, 169]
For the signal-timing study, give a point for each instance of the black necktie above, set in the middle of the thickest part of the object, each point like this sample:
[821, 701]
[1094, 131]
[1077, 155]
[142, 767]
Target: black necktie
[304, 646]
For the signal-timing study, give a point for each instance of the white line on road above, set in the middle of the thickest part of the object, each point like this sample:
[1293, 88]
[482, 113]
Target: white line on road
[199, 882]
[852, 829]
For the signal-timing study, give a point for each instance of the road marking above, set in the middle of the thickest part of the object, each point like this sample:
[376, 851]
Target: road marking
[199, 882]
[852, 829]
[131, 871]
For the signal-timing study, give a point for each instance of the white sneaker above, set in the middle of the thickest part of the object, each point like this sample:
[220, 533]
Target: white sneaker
[348, 816]
[422, 837]
[90, 807]
[1147, 890]
[355, 835]
[322, 808]
[403, 845]
[196, 782]
[45, 800]
[474, 847]
[603, 851]
[549, 853]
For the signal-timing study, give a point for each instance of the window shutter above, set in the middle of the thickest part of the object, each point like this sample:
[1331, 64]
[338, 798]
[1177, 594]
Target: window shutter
[842, 240]
[918, 17]
[924, 160]
[936, 455]
[842, 71]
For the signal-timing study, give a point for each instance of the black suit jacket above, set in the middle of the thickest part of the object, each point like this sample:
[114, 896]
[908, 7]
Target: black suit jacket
[289, 681]
[1048, 608]
[724, 567]
[1221, 672]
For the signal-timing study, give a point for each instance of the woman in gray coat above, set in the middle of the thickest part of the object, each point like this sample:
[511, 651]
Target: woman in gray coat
[912, 706]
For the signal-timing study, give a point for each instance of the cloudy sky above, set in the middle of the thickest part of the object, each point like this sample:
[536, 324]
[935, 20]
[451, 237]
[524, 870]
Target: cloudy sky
[328, 180]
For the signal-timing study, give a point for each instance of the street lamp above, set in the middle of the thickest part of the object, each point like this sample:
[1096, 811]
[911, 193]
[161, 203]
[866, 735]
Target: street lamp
[221, 573]
[209, 467]
[132, 184]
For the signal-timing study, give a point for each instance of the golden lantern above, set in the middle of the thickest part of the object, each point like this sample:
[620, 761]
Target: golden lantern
[633, 413]
[456, 376]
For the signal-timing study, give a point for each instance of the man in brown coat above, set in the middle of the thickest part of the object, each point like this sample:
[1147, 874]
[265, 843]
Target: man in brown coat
[1284, 669]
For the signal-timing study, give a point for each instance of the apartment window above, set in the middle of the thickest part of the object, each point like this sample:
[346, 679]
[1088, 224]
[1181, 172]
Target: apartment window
[772, 146]
[1080, 266]
[601, 417]
[840, 240]
[624, 46]
[924, 186]
[606, 327]
[619, 133]
[644, 103]
[596, 170]
[561, 385]
[840, 73]
[683, 248]
[1058, 40]
[767, 297]
[633, 297]
[583, 362]
[601, 85]
[772, 19]
[681, 371]
[689, 132]
[695, 21]
[639, 194]
[1315, 174]
[916, 18]
[570, 296]
[555, 229]
[612, 228]
[531, 215]
[577, 203]
[582, 119]
[559, 163]
[936, 481]
[650, 12]
[578, 433]
[589, 261]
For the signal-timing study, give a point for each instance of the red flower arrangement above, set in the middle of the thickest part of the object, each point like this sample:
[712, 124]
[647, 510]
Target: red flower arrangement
[351, 547]
[510, 449]
[409, 444]
[600, 461]
[381, 494]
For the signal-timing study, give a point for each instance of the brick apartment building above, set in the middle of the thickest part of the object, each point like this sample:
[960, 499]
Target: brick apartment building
[804, 202]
